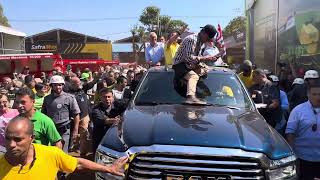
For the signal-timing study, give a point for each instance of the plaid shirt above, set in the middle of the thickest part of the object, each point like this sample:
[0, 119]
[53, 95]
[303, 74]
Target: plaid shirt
[188, 52]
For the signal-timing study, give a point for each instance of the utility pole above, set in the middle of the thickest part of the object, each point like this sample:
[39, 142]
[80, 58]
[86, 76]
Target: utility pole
[158, 24]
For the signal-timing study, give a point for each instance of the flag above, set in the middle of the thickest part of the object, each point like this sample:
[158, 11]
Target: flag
[219, 40]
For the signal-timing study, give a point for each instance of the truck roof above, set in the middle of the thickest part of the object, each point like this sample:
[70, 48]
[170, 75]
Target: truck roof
[212, 69]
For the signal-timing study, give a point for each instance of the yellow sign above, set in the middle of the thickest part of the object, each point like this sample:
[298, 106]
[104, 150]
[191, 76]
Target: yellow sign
[104, 50]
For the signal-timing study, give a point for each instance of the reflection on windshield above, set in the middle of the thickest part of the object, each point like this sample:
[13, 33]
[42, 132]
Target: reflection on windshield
[217, 89]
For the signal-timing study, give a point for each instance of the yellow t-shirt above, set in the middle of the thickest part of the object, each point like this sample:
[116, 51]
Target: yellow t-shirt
[247, 80]
[170, 52]
[228, 91]
[49, 160]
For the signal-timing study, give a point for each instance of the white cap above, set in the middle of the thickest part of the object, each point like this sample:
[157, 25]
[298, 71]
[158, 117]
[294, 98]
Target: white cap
[274, 78]
[125, 71]
[298, 81]
[56, 79]
[311, 74]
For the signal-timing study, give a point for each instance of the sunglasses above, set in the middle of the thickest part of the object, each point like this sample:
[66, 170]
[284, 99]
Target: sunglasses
[57, 84]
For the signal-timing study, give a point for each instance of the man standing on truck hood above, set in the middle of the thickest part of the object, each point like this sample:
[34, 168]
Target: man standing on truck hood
[60, 107]
[187, 59]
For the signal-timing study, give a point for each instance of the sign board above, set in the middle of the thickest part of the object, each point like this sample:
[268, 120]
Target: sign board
[28, 57]
[44, 48]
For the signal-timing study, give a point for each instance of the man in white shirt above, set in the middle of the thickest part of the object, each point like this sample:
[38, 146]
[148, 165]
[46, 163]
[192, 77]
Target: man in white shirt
[119, 88]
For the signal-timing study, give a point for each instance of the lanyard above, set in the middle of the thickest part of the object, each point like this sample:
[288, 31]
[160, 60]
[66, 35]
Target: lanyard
[314, 126]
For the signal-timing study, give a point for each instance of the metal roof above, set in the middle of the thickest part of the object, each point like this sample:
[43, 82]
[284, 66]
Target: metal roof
[43, 35]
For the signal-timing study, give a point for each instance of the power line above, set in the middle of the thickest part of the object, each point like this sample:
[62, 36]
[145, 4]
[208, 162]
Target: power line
[106, 19]
[111, 34]
[71, 20]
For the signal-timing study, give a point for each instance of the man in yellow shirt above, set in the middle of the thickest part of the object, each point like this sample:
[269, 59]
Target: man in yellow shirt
[28, 161]
[246, 74]
[171, 46]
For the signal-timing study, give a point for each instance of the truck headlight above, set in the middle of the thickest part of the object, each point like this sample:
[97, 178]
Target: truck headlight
[282, 169]
[283, 172]
[104, 159]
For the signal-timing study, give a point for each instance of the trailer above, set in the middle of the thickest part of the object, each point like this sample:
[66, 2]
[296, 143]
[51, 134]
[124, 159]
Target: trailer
[46, 62]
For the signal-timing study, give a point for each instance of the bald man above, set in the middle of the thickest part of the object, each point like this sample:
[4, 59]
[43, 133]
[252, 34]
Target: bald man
[25, 160]
[84, 105]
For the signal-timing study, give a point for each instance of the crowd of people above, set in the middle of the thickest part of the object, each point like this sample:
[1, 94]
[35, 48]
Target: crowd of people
[292, 108]
[64, 108]
[61, 110]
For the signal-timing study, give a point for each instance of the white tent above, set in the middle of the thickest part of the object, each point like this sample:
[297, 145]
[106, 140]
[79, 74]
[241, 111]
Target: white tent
[11, 41]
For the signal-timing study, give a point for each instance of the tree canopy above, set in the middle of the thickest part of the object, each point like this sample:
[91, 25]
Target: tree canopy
[152, 19]
[236, 24]
[3, 19]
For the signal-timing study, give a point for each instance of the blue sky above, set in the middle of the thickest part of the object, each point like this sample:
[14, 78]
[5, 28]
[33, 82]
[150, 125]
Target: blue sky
[194, 12]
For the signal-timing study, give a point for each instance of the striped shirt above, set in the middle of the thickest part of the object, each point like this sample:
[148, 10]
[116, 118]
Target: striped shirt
[188, 52]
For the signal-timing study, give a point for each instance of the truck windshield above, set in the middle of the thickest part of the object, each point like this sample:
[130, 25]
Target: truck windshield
[216, 89]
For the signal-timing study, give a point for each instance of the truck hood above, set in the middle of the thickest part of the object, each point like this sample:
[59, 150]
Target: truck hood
[205, 126]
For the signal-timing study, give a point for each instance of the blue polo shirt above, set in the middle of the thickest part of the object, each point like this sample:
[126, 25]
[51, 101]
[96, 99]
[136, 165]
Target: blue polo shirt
[284, 100]
[306, 142]
[154, 54]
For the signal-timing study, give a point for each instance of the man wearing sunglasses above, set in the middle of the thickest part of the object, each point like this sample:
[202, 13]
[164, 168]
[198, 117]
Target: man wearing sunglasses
[303, 132]
[25, 160]
[61, 107]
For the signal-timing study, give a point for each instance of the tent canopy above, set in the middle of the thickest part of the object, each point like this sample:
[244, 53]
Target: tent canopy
[10, 31]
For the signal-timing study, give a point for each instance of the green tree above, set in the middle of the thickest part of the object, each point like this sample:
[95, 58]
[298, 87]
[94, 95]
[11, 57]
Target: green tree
[150, 17]
[176, 25]
[152, 20]
[161, 24]
[236, 24]
[164, 24]
[3, 19]
[138, 32]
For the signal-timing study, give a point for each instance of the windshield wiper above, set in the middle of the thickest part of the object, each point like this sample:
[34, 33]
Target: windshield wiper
[220, 105]
[152, 103]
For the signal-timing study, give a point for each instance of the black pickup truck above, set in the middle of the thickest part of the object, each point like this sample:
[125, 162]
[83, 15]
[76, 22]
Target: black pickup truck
[224, 139]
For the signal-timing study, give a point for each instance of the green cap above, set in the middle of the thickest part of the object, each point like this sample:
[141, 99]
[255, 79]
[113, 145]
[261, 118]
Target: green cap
[85, 76]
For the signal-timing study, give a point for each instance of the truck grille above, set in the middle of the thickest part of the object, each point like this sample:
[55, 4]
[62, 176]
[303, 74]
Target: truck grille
[185, 167]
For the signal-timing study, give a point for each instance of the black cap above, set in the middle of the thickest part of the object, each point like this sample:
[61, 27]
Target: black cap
[210, 30]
